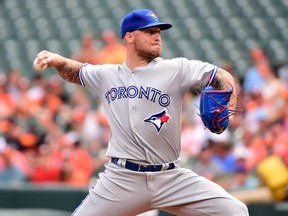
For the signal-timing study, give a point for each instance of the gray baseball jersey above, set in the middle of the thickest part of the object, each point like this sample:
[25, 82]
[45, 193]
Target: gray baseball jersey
[143, 106]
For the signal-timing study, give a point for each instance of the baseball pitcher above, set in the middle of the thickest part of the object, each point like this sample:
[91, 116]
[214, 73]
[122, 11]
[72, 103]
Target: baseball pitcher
[142, 100]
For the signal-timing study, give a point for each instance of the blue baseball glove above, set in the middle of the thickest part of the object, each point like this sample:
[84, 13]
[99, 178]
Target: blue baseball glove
[214, 109]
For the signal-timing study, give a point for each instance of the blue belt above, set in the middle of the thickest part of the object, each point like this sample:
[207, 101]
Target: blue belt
[143, 168]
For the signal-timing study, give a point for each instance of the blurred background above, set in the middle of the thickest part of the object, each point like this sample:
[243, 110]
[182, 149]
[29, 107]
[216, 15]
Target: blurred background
[53, 135]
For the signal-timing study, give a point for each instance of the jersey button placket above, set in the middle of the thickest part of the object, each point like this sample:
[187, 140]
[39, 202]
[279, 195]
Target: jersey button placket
[132, 78]
[132, 105]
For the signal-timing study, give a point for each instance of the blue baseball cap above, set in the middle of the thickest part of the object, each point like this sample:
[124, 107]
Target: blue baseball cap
[141, 19]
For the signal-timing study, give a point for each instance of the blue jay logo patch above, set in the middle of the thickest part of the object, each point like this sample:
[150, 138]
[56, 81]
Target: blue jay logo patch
[153, 15]
[158, 119]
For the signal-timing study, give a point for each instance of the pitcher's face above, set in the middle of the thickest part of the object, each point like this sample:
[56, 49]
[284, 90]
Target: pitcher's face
[148, 43]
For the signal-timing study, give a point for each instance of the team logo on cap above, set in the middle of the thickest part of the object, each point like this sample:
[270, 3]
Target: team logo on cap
[153, 15]
[158, 119]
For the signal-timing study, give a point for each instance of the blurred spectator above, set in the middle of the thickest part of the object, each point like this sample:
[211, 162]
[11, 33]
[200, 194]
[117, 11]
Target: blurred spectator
[113, 52]
[275, 95]
[37, 90]
[204, 165]
[7, 102]
[253, 79]
[243, 180]
[13, 165]
[223, 154]
[282, 72]
[28, 139]
[77, 164]
[43, 168]
[88, 52]
[10, 174]
[192, 137]
[14, 77]
[257, 112]
[55, 96]
[271, 141]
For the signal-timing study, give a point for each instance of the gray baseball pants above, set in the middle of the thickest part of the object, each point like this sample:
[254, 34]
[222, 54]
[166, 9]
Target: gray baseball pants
[180, 191]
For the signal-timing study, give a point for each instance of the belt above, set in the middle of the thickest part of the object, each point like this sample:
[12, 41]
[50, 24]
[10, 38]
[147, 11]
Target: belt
[144, 168]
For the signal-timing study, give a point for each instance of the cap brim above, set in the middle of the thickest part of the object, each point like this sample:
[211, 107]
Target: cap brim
[163, 26]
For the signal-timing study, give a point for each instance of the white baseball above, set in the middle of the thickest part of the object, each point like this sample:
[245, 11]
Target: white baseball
[40, 66]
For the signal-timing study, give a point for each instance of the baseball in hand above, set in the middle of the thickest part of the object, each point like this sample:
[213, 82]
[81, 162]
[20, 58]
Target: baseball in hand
[40, 66]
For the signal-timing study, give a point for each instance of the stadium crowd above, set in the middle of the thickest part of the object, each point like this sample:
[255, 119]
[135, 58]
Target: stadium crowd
[51, 132]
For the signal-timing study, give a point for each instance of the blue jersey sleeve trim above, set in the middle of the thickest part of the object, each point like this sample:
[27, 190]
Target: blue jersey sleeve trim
[81, 74]
[212, 76]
